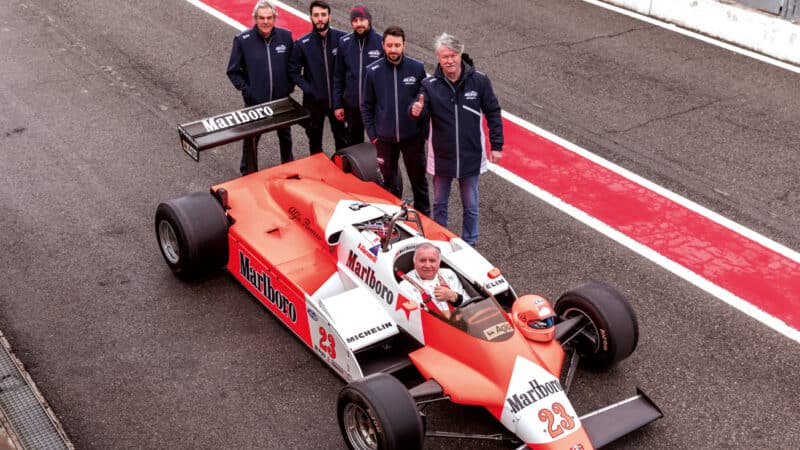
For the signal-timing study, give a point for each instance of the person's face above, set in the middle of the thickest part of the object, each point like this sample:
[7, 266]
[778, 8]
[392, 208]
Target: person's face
[393, 47]
[426, 263]
[360, 25]
[265, 20]
[321, 18]
[450, 61]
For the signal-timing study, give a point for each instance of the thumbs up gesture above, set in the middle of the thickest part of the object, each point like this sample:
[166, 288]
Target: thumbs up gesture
[416, 107]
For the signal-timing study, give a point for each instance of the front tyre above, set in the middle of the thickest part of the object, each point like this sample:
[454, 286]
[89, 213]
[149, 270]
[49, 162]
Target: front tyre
[192, 234]
[608, 330]
[378, 413]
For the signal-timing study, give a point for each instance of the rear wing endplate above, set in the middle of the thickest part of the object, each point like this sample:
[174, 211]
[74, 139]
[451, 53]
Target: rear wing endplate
[237, 125]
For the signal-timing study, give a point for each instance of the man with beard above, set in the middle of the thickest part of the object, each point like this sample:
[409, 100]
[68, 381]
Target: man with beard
[357, 50]
[259, 68]
[456, 97]
[311, 68]
[391, 86]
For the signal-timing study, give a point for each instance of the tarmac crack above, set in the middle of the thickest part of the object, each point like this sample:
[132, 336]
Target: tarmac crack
[570, 44]
[666, 117]
[192, 59]
[15, 131]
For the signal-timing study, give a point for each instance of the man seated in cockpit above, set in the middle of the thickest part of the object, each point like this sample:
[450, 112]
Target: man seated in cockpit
[437, 286]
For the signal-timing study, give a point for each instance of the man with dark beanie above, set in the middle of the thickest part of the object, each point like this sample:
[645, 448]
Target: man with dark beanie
[312, 69]
[357, 50]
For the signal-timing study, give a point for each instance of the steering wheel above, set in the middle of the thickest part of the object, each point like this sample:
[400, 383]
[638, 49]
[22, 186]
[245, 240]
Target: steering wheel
[481, 315]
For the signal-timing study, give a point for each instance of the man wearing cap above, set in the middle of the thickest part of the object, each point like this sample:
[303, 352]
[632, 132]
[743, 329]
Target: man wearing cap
[456, 98]
[391, 86]
[311, 68]
[357, 50]
[259, 68]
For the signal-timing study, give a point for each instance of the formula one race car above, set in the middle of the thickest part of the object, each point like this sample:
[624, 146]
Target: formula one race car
[326, 253]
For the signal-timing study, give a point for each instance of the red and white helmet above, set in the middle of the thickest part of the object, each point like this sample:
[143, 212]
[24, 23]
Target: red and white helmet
[534, 318]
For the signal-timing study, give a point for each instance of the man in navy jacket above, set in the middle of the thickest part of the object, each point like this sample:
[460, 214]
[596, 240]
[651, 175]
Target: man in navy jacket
[357, 50]
[390, 88]
[259, 68]
[312, 69]
[456, 98]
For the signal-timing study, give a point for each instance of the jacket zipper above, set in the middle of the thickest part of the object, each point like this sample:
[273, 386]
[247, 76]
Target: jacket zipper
[396, 109]
[458, 134]
[327, 75]
[360, 69]
[269, 67]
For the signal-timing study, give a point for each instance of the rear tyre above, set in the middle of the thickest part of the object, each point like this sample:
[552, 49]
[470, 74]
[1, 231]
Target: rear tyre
[378, 413]
[361, 160]
[609, 330]
[192, 234]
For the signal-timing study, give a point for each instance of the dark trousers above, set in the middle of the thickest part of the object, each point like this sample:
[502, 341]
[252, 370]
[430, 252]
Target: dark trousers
[284, 141]
[316, 125]
[354, 126]
[413, 151]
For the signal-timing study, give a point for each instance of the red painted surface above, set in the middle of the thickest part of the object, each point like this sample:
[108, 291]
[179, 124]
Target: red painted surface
[242, 12]
[749, 270]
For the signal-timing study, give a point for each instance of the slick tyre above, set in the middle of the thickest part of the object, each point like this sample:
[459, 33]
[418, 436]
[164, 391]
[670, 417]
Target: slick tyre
[609, 331]
[192, 233]
[378, 413]
[361, 161]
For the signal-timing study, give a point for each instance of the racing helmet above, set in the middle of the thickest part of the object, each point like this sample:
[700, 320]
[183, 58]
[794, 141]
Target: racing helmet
[534, 318]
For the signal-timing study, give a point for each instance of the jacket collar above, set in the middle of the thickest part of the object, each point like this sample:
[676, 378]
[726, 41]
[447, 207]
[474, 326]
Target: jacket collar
[466, 72]
[258, 33]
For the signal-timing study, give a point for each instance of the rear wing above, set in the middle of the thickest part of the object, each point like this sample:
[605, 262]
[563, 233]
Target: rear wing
[237, 125]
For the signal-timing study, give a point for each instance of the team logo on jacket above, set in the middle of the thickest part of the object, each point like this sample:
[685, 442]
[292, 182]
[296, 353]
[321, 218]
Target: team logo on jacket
[470, 95]
[305, 40]
[335, 51]
[374, 53]
[280, 49]
[410, 81]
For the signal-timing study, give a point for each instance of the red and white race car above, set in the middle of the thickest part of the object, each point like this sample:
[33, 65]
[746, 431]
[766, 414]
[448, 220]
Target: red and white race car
[325, 252]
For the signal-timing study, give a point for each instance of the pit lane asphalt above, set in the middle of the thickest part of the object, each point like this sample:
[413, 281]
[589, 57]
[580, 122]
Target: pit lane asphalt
[129, 357]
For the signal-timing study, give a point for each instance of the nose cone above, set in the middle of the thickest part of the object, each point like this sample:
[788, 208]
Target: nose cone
[538, 411]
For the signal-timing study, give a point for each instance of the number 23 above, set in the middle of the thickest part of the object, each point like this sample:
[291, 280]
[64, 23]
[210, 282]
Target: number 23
[327, 343]
[556, 429]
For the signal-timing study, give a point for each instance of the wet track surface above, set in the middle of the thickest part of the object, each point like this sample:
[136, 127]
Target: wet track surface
[130, 357]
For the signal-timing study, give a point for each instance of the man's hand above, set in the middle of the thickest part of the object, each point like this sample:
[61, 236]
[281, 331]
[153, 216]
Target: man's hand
[495, 156]
[416, 108]
[443, 293]
[339, 114]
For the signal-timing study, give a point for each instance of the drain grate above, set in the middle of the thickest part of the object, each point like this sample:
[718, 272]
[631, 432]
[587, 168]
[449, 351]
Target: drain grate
[22, 408]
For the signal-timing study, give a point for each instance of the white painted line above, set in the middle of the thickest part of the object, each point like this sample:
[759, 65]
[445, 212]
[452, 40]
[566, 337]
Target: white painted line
[292, 10]
[686, 203]
[202, 6]
[696, 35]
[657, 258]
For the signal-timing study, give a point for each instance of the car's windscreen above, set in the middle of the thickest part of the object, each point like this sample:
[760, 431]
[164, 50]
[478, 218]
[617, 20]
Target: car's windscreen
[483, 319]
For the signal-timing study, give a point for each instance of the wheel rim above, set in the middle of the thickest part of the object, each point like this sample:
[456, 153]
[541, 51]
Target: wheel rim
[587, 336]
[169, 242]
[360, 429]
